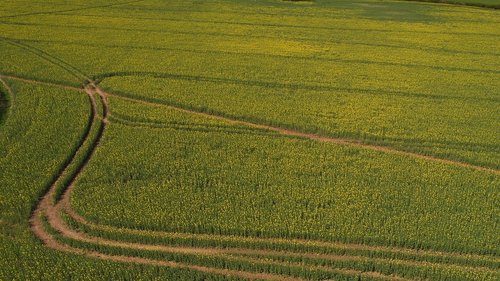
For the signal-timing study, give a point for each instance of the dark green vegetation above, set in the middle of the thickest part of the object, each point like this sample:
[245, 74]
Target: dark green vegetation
[477, 3]
[185, 140]
[4, 105]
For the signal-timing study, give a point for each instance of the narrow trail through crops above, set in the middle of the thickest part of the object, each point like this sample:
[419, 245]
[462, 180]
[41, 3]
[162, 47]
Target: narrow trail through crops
[282, 131]
[293, 133]
[52, 211]
[345, 245]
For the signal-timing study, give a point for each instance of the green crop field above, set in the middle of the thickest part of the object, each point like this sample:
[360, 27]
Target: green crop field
[257, 139]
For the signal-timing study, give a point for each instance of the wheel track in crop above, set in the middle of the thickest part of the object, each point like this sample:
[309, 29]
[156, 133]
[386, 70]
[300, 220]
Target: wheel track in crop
[294, 133]
[45, 207]
[67, 208]
[59, 225]
[282, 131]
[50, 211]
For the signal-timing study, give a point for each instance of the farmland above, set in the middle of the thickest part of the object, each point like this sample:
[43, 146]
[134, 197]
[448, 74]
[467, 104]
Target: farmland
[231, 139]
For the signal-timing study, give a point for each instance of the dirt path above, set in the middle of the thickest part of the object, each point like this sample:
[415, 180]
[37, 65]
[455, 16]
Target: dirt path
[81, 220]
[212, 251]
[29, 81]
[340, 141]
[65, 205]
[51, 212]
[282, 131]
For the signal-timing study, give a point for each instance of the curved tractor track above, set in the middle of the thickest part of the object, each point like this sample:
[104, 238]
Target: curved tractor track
[50, 211]
[54, 230]
[46, 209]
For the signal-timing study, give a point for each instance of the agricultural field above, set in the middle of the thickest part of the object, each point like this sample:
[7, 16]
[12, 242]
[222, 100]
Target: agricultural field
[249, 140]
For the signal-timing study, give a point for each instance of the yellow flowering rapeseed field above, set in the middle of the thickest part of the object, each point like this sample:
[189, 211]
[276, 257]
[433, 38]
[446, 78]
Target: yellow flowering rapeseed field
[249, 140]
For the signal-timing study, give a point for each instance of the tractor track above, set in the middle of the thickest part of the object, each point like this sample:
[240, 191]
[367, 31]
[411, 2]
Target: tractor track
[51, 211]
[46, 209]
[281, 131]
[284, 132]
[293, 133]
[67, 207]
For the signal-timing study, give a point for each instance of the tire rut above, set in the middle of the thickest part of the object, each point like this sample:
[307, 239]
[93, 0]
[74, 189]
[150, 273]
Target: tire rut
[293, 133]
[45, 208]
[76, 217]
[282, 131]
[51, 211]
